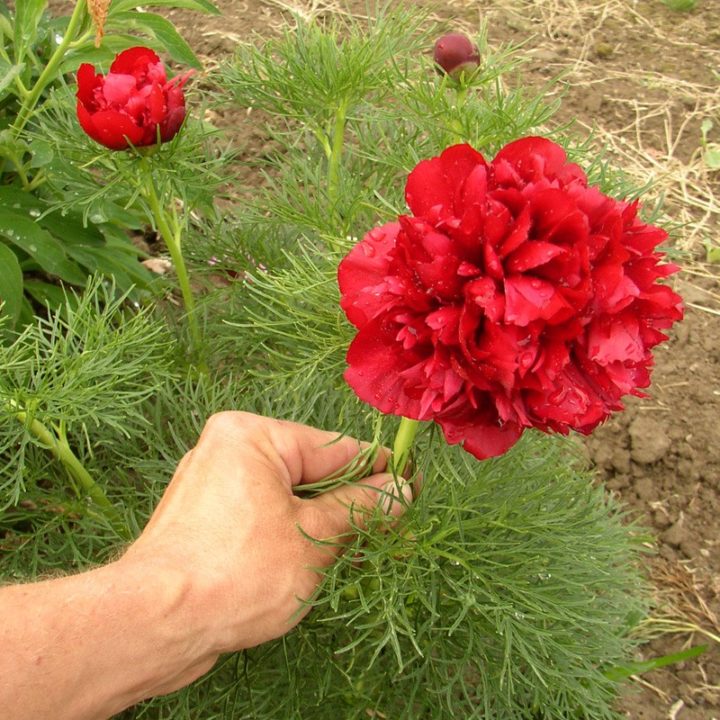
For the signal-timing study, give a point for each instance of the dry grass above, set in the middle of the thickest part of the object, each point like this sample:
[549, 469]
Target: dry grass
[655, 136]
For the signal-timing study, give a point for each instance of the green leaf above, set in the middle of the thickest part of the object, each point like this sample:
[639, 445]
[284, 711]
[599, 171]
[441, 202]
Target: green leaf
[42, 153]
[711, 156]
[11, 284]
[162, 30]
[101, 57]
[124, 268]
[621, 672]
[70, 229]
[27, 19]
[199, 5]
[8, 73]
[52, 296]
[713, 253]
[40, 245]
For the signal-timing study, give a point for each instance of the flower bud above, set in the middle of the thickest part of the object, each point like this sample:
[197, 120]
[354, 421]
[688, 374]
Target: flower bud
[455, 53]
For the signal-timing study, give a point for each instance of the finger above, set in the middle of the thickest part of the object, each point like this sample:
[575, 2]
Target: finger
[311, 455]
[349, 507]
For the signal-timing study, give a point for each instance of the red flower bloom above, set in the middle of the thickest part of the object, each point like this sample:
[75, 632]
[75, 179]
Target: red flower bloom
[514, 296]
[129, 104]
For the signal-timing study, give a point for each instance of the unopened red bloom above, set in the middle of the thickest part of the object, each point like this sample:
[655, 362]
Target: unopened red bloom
[514, 296]
[134, 103]
[455, 53]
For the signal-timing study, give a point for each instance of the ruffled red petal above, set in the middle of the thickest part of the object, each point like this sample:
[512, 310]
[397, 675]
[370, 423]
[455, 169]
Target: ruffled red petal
[437, 182]
[514, 296]
[134, 60]
[111, 128]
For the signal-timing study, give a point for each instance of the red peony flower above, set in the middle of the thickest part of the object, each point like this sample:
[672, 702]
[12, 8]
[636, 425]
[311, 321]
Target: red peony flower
[514, 296]
[455, 53]
[133, 103]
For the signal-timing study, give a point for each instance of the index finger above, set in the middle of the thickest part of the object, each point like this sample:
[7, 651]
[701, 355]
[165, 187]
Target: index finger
[298, 453]
[311, 455]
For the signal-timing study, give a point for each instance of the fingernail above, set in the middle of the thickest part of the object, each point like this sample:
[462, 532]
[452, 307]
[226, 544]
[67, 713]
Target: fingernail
[391, 501]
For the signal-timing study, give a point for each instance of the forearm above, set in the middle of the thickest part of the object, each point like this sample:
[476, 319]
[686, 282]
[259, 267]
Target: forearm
[85, 647]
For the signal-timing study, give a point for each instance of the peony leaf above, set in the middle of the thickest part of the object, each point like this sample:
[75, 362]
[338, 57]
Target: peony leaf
[27, 21]
[44, 249]
[8, 73]
[11, 284]
[199, 5]
[160, 29]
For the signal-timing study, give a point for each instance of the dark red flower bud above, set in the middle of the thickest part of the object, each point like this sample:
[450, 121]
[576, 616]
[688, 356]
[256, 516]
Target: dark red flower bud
[455, 53]
[133, 104]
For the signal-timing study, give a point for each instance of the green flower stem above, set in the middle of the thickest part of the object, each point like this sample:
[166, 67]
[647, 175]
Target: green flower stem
[455, 124]
[336, 150]
[174, 245]
[19, 168]
[403, 444]
[60, 448]
[31, 99]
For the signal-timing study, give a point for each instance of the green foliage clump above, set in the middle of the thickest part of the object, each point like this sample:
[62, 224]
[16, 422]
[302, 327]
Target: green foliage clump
[509, 589]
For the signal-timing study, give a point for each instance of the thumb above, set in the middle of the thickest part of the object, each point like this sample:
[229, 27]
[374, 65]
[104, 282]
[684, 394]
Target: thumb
[350, 506]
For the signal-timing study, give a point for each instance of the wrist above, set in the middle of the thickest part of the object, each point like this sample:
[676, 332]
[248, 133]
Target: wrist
[167, 644]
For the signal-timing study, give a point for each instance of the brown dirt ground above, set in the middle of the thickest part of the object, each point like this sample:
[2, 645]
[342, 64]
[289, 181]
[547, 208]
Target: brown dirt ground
[643, 78]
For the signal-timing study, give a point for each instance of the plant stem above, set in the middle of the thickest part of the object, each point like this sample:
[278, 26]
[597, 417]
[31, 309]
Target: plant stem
[174, 246]
[336, 150]
[31, 99]
[60, 448]
[403, 444]
[456, 124]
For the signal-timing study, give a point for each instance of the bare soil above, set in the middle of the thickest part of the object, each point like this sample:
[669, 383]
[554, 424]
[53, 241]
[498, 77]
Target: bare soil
[643, 78]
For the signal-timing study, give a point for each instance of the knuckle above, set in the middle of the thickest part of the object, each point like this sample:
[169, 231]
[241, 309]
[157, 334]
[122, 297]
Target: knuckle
[231, 421]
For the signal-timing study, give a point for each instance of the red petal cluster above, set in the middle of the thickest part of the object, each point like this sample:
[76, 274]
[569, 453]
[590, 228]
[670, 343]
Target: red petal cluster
[133, 104]
[514, 296]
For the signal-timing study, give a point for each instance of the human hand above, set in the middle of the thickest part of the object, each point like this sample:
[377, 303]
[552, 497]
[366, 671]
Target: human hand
[230, 521]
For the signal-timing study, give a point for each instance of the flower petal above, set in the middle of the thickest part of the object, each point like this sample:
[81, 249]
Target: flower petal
[117, 88]
[87, 81]
[436, 182]
[528, 299]
[111, 128]
[533, 158]
[362, 274]
[130, 61]
[480, 436]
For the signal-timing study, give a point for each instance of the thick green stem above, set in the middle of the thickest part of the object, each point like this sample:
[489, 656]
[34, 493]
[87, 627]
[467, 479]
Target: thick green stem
[456, 124]
[19, 168]
[336, 150]
[403, 444]
[174, 246]
[60, 448]
[31, 99]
